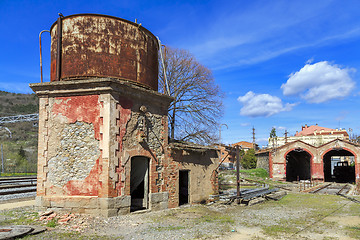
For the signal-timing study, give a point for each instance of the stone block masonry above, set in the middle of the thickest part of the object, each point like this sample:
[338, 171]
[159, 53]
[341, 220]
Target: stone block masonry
[76, 155]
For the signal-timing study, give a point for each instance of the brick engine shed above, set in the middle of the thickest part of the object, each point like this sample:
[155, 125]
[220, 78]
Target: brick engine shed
[103, 128]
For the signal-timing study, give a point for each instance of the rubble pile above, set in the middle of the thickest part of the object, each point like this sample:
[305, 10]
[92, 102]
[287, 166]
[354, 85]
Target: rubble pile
[66, 221]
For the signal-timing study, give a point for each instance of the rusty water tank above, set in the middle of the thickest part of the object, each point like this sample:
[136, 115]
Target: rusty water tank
[94, 45]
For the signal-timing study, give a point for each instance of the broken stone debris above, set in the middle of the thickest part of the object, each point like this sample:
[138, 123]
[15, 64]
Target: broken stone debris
[68, 221]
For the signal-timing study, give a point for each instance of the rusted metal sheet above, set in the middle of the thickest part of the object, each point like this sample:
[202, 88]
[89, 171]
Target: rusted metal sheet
[104, 46]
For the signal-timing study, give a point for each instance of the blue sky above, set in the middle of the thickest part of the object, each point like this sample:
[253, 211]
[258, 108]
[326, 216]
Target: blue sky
[281, 64]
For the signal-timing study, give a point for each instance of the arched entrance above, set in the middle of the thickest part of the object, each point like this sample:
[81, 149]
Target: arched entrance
[339, 166]
[298, 165]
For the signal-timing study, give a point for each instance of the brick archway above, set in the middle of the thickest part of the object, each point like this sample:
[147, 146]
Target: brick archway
[295, 168]
[338, 169]
[277, 158]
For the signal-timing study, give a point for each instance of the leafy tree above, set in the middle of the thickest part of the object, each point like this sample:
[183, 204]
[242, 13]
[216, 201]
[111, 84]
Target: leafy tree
[197, 107]
[273, 132]
[249, 159]
[22, 152]
[21, 163]
[273, 136]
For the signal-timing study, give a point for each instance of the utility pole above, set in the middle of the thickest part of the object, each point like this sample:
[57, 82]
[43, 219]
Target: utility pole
[286, 134]
[237, 174]
[253, 138]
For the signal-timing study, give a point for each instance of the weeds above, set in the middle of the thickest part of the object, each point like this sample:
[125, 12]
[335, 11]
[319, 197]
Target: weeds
[354, 232]
[18, 217]
[52, 223]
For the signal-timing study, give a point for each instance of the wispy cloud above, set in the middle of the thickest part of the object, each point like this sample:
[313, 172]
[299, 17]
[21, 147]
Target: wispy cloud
[239, 38]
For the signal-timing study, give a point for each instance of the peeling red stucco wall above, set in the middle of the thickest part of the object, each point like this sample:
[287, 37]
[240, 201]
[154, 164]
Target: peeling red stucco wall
[82, 109]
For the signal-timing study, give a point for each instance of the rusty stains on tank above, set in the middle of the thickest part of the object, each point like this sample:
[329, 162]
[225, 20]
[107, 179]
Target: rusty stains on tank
[105, 46]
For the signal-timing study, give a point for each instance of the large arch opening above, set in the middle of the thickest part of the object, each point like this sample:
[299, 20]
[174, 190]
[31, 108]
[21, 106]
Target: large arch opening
[298, 165]
[339, 166]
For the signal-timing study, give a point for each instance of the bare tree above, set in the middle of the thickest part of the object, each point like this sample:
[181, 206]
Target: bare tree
[197, 107]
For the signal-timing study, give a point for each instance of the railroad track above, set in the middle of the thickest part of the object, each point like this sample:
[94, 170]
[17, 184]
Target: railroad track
[15, 180]
[333, 188]
[17, 187]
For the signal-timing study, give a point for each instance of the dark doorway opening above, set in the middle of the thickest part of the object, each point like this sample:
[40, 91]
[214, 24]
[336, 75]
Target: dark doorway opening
[139, 183]
[298, 165]
[339, 166]
[183, 187]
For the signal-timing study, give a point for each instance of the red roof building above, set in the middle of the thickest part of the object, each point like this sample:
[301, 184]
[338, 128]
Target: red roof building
[314, 130]
[314, 135]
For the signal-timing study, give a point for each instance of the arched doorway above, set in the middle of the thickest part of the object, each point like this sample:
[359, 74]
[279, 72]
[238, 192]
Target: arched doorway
[298, 165]
[339, 166]
[139, 183]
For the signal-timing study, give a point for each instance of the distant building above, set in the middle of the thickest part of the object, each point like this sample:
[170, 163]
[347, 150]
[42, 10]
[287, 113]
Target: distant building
[313, 135]
[245, 145]
[228, 154]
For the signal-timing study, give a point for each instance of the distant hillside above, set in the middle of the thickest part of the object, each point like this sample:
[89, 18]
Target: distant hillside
[20, 151]
[17, 103]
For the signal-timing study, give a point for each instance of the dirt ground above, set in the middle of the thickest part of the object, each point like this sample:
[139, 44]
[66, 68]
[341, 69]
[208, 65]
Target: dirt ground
[296, 216]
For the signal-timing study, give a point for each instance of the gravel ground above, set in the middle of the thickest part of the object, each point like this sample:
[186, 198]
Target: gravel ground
[297, 216]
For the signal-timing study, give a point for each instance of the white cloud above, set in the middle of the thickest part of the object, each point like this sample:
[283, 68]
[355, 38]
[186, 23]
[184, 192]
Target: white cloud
[320, 82]
[262, 105]
[244, 124]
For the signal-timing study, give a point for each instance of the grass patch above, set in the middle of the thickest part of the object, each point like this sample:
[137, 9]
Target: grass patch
[18, 218]
[257, 172]
[217, 218]
[277, 230]
[206, 215]
[52, 223]
[354, 210]
[353, 232]
[314, 208]
[16, 174]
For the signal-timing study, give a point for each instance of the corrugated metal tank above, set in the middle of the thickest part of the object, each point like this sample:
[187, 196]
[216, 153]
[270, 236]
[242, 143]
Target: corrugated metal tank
[95, 45]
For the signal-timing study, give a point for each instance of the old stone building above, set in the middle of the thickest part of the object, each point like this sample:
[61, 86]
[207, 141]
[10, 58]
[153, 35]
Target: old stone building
[301, 161]
[103, 130]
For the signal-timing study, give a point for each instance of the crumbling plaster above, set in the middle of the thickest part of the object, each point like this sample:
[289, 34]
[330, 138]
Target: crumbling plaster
[120, 121]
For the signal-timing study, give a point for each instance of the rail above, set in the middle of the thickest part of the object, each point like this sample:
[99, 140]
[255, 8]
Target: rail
[10, 187]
